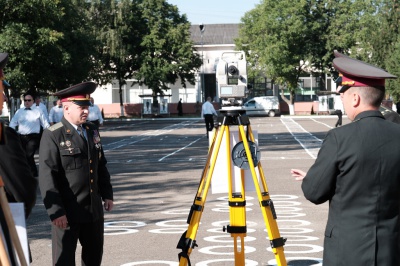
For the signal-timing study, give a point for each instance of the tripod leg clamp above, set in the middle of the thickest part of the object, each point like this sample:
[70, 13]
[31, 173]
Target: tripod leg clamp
[185, 244]
[235, 229]
[269, 203]
[278, 242]
[194, 207]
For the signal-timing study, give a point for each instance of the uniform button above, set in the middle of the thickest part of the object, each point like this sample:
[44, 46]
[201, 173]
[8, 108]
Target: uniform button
[90, 161]
[91, 171]
[91, 190]
[91, 180]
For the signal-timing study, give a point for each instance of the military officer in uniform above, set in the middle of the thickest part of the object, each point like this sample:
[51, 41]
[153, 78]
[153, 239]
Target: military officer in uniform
[74, 180]
[357, 171]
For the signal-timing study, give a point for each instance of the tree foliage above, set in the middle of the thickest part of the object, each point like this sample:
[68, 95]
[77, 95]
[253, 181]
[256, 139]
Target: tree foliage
[287, 38]
[167, 50]
[56, 43]
[49, 47]
[279, 37]
[386, 44]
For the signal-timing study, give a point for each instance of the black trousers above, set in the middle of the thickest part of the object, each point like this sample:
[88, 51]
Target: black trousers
[209, 119]
[31, 143]
[91, 237]
[339, 121]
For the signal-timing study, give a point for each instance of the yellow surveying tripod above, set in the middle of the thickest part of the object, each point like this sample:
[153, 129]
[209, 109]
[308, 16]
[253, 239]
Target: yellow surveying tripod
[245, 155]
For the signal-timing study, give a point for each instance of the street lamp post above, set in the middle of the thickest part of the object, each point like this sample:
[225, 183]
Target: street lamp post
[201, 96]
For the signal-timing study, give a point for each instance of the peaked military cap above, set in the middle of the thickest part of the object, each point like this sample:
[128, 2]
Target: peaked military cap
[78, 94]
[356, 73]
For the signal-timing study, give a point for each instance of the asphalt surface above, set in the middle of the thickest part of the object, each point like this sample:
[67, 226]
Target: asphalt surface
[156, 166]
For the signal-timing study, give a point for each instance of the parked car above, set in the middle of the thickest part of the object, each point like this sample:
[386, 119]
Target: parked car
[262, 106]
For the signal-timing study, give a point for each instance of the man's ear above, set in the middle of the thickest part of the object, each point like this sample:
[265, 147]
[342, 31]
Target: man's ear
[356, 99]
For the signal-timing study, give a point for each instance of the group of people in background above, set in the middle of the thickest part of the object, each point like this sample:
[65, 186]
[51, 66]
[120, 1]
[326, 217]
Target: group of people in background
[30, 120]
[74, 195]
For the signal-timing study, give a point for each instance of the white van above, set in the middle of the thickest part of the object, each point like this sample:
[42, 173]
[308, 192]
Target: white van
[262, 106]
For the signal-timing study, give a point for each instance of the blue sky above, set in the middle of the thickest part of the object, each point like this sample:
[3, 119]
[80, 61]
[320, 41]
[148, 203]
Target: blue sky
[214, 11]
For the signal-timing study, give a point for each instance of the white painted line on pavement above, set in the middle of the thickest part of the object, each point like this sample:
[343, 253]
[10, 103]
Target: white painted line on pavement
[309, 142]
[190, 144]
[321, 123]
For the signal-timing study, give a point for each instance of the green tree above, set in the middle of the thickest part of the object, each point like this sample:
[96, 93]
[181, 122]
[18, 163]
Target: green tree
[386, 44]
[278, 33]
[49, 47]
[167, 52]
[287, 39]
[119, 29]
[145, 40]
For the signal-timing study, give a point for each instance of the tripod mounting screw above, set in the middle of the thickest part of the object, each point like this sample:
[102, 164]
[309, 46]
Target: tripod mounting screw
[224, 228]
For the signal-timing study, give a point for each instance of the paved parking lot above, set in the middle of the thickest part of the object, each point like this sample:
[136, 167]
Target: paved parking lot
[156, 166]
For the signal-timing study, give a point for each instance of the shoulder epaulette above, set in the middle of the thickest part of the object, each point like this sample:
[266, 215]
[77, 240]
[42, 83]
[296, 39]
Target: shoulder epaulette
[56, 126]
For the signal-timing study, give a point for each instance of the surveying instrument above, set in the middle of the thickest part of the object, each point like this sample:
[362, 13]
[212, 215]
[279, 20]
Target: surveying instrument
[245, 155]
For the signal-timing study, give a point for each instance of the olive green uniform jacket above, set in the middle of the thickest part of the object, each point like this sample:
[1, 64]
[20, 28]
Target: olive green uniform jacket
[73, 177]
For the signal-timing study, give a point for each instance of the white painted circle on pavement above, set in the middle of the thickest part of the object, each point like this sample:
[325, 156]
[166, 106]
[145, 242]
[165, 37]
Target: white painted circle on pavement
[124, 224]
[175, 223]
[287, 223]
[297, 260]
[168, 231]
[226, 239]
[312, 249]
[284, 197]
[177, 211]
[155, 262]
[291, 238]
[294, 230]
[208, 262]
[286, 203]
[208, 250]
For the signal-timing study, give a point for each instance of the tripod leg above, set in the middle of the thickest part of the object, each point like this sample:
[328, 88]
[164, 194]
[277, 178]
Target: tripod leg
[237, 211]
[266, 204]
[187, 241]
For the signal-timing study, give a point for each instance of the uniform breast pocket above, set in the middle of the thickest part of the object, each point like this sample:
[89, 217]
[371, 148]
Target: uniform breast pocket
[71, 158]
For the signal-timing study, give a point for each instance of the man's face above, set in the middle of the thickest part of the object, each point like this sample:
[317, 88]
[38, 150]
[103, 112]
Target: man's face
[75, 114]
[349, 99]
[37, 100]
[59, 103]
[28, 101]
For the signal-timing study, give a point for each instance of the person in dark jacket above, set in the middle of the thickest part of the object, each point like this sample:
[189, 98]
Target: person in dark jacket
[357, 171]
[19, 183]
[74, 180]
[180, 109]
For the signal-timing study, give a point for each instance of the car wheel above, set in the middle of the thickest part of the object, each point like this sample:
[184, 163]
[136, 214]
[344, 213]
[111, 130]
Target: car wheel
[271, 113]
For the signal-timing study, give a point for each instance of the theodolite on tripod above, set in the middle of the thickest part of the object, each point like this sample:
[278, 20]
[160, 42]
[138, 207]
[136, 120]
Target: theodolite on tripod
[245, 155]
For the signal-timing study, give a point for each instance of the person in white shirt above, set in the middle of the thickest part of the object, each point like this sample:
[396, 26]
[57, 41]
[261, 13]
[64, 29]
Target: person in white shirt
[29, 120]
[95, 114]
[56, 113]
[208, 112]
[39, 104]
